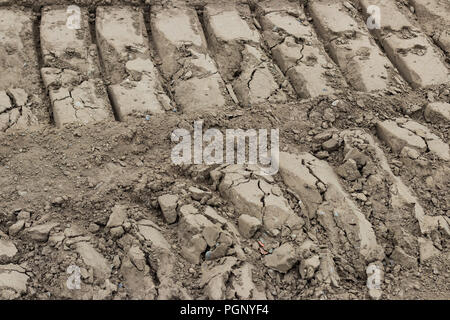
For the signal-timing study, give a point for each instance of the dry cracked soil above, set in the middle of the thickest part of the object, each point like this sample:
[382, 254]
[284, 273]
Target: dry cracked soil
[360, 205]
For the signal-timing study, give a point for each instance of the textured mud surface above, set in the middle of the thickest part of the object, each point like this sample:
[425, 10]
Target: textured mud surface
[86, 176]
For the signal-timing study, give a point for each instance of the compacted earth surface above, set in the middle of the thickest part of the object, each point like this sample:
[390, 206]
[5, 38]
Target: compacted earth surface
[93, 207]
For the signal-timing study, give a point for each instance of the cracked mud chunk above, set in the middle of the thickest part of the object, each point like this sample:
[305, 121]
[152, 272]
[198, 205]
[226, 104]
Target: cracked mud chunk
[7, 250]
[157, 240]
[93, 259]
[296, 49]
[75, 100]
[19, 72]
[433, 16]
[18, 59]
[68, 48]
[282, 259]
[14, 112]
[417, 60]
[437, 112]
[407, 133]
[351, 47]
[136, 88]
[13, 281]
[335, 209]
[241, 61]
[255, 197]
[192, 73]
[136, 272]
[168, 204]
[70, 72]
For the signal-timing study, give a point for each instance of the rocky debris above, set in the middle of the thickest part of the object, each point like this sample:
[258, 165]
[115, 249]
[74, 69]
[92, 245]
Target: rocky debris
[437, 112]
[198, 194]
[168, 204]
[331, 145]
[415, 57]
[248, 225]
[402, 199]
[211, 235]
[117, 217]
[335, 210]
[18, 96]
[193, 75]
[156, 238]
[138, 281]
[327, 270]
[196, 246]
[197, 233]
[282, 258]
[7, 250]
[236, 48]
[93, 227]
[402, 258]
[221, 248]
[398, 137]
[17, 118]
[150, 223]
[296, 49]
[215, 276]
[408, 152]
[40, 232]
[5, 102]
[14, 112]
[409, 133]
[307, 249]
[13, 281]
[427, 250]
[193, 224]
[69, 241]
[351, 47]
[309, 266]
[302, 182]
[161, 260]
[106, 291]
[247, 197]
[402, 195]
[93, 259]
[349, 170]
[23, 215]
[117, 232]
[188, 209]
[212, 215]
[15, 228]
[433, 15]
[243, 286]
[257, 198]
[216, 287]
[56, 239]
